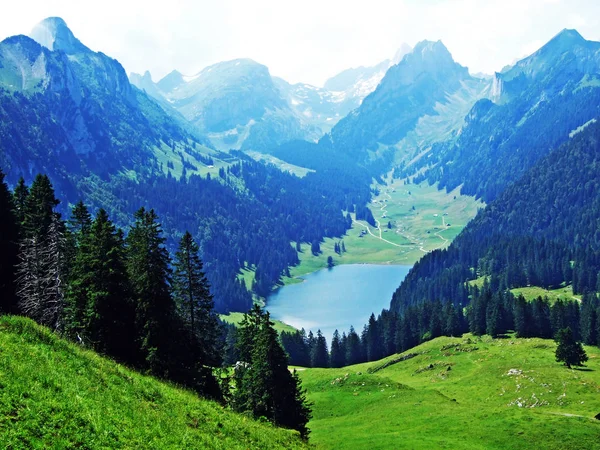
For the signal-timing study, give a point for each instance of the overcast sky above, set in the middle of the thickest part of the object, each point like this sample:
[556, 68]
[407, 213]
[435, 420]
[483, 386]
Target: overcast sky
[305, 41]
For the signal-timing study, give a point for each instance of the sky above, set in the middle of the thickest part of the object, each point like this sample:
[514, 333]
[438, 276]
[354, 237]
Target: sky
[307, 41]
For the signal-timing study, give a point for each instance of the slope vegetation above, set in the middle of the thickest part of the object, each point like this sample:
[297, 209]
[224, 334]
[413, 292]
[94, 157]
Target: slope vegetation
[460, 393]
[54, 394]
[538, 104]
[528, 236]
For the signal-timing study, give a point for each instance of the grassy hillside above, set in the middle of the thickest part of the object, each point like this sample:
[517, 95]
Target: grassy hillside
[54, 394]
[459, 393]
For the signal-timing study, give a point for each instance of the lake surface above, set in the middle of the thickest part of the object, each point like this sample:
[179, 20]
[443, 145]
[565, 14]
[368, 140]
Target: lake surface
[337, 298]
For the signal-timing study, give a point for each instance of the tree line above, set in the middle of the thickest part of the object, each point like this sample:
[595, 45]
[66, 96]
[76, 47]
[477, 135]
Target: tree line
[124, 296]
[490, 312]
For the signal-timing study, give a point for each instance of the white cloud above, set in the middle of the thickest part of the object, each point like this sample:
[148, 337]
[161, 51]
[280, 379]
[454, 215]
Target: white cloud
[309, 40]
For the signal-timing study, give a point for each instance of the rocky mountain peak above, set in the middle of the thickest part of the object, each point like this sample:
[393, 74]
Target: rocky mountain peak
[54, 34]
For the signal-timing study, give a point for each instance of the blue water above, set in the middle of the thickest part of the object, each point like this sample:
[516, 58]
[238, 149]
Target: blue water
[337, 298]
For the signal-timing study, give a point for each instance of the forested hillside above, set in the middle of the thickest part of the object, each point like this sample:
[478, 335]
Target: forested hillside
[543, 231]
[71, 113]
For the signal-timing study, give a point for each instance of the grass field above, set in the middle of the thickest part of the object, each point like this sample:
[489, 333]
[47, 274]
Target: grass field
[236, 317]
[54, 394]
[533, 292]
[166, 155]
[459, 393]
[280, 164]
[436, 219]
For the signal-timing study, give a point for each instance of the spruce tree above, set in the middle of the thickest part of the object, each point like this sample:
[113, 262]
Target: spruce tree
[80, 272]
[353, 350]
[569, 351]
[588, 318]
[264, 385]
[150, 277]
[9, 235]
[108, 316]
[521, 317]
[195, 302]
[338, 357]
[319, 356]
[372, 344]
[20, 195]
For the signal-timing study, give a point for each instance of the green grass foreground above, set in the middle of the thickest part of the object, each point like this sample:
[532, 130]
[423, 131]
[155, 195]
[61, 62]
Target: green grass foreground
[54, 394]
[459, 393]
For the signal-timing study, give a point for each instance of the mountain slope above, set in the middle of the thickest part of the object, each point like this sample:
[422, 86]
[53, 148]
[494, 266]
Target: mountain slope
[410, 91]
[542, 230]
[70, 111]
[55, 394]
[537, 104]
[76, 118]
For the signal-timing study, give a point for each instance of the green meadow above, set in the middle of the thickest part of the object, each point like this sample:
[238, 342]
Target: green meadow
[459, 393]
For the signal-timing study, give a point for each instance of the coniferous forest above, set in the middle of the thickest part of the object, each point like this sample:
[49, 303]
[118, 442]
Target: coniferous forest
[123, 295]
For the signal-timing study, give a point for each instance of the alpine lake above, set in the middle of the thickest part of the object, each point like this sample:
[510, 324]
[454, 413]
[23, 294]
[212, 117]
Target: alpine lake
[337, 298]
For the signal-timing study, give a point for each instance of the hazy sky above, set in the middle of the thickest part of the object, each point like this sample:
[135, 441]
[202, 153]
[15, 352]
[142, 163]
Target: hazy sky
[308, 40]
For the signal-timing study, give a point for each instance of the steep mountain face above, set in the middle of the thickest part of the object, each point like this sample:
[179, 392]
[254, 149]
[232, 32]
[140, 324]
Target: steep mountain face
[537, 105]
[541, 231]
[236, 103]
[69, 112]
[423, 83]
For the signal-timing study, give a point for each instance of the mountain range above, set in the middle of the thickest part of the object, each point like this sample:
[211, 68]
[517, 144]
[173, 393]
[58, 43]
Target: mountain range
[239, 105]
[72, 113]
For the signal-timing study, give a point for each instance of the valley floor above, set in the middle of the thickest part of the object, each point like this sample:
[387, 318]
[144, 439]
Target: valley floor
[459, 393]
[437, 218]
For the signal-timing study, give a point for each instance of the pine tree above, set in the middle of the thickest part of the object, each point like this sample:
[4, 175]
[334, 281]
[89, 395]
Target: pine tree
[195, 302]
[19, 199]
[100, 278]
[569, 351]
[319, 356]
[338, 356]
[150, 277]
[9, 235]
[264, 385]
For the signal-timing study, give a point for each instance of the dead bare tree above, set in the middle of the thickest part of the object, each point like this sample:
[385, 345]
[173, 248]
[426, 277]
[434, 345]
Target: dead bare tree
[40, 274]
